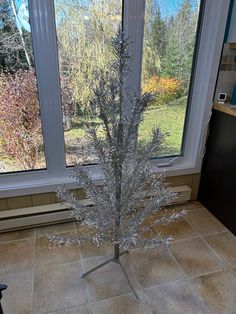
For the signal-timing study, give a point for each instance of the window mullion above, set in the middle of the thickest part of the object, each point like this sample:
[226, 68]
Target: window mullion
[46, 63]
[133, 22]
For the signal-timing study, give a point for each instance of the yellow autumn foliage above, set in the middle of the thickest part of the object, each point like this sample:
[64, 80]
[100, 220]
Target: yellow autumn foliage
[167, 88]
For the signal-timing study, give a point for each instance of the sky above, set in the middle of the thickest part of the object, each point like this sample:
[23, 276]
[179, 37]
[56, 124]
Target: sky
[168, 8]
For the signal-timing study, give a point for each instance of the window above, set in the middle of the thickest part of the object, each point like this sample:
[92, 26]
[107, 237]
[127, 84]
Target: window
[55, 61]
[21, 141]
[84, 31]
[170, 30]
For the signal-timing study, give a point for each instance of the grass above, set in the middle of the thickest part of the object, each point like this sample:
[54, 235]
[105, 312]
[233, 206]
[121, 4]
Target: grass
[169, 118]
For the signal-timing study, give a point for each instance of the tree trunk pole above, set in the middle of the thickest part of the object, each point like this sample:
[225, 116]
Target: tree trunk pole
[116, 252]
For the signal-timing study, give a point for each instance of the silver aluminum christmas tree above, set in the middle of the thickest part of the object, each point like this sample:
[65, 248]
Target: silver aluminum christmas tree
[129, 192]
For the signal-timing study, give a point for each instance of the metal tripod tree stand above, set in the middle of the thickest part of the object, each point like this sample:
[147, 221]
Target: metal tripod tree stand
[115, 259]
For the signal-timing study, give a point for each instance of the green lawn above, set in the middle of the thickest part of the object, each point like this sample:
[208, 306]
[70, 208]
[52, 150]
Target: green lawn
[168, 118]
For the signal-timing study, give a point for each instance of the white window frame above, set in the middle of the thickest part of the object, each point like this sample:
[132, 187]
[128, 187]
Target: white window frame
[43, 31]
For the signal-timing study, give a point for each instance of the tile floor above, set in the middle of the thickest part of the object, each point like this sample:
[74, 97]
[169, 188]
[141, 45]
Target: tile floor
[197, 274]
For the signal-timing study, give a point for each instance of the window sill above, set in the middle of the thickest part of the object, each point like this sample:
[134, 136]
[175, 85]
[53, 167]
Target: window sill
[46, 185]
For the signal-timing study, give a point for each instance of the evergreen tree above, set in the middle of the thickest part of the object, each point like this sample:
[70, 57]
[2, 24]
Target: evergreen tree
[158, 33]
[180, 43]
[171, 66]
[151, 58]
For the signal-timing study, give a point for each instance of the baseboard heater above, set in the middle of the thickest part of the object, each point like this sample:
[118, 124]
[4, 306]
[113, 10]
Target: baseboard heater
[15, 219]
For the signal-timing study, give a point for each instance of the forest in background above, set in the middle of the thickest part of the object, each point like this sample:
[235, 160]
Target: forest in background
[84, 31]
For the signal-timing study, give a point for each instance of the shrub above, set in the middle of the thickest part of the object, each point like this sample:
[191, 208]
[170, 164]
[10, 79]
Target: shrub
[168, 89]
[20, 127]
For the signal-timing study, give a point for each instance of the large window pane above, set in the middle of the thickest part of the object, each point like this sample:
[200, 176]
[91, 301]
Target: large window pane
[84, 30]
[169, 41]
[21, 141]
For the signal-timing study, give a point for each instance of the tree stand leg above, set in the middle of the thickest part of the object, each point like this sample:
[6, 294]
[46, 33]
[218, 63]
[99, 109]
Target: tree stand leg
[115, 259]
[2, 287]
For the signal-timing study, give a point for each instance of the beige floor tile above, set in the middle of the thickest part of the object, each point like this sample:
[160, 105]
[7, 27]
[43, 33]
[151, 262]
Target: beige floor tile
[178, 230]
[176, 298]
[204, 222]
[16, 257]
[233, 271]
[16, 235]
[95, 261]
[82, 309]
[153, 268]
[59, 228]
[151, 233]
[18, 298]
[225, 245]
[108, 281]
[59, 287]
[92, 262]
[59, 255]
[195, 257]
[218, 291]
[88, 251]
[106, 285]
[125, 304]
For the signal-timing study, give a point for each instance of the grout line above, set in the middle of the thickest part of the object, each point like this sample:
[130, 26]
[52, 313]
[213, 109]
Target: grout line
[13, 275]
[17, 240]
[206, 274]
[231, 270]
[201, 236]
[174, 258]
[142, 289]
[198, 235]
[197, 294]
[68, 308]
[50, 265]
[188, 238]
[80, 254]
[134, 275]
[33, 270]
[192, 225]
[88, 295]
[214, 252]
[50, 232]
[213, 233]
[120, 295]
[166, 283]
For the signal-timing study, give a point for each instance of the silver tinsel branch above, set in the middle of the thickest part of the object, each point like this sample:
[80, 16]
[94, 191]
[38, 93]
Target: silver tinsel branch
[129, 192]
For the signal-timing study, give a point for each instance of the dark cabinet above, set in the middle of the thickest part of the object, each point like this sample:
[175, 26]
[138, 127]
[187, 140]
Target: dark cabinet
[217, 191]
